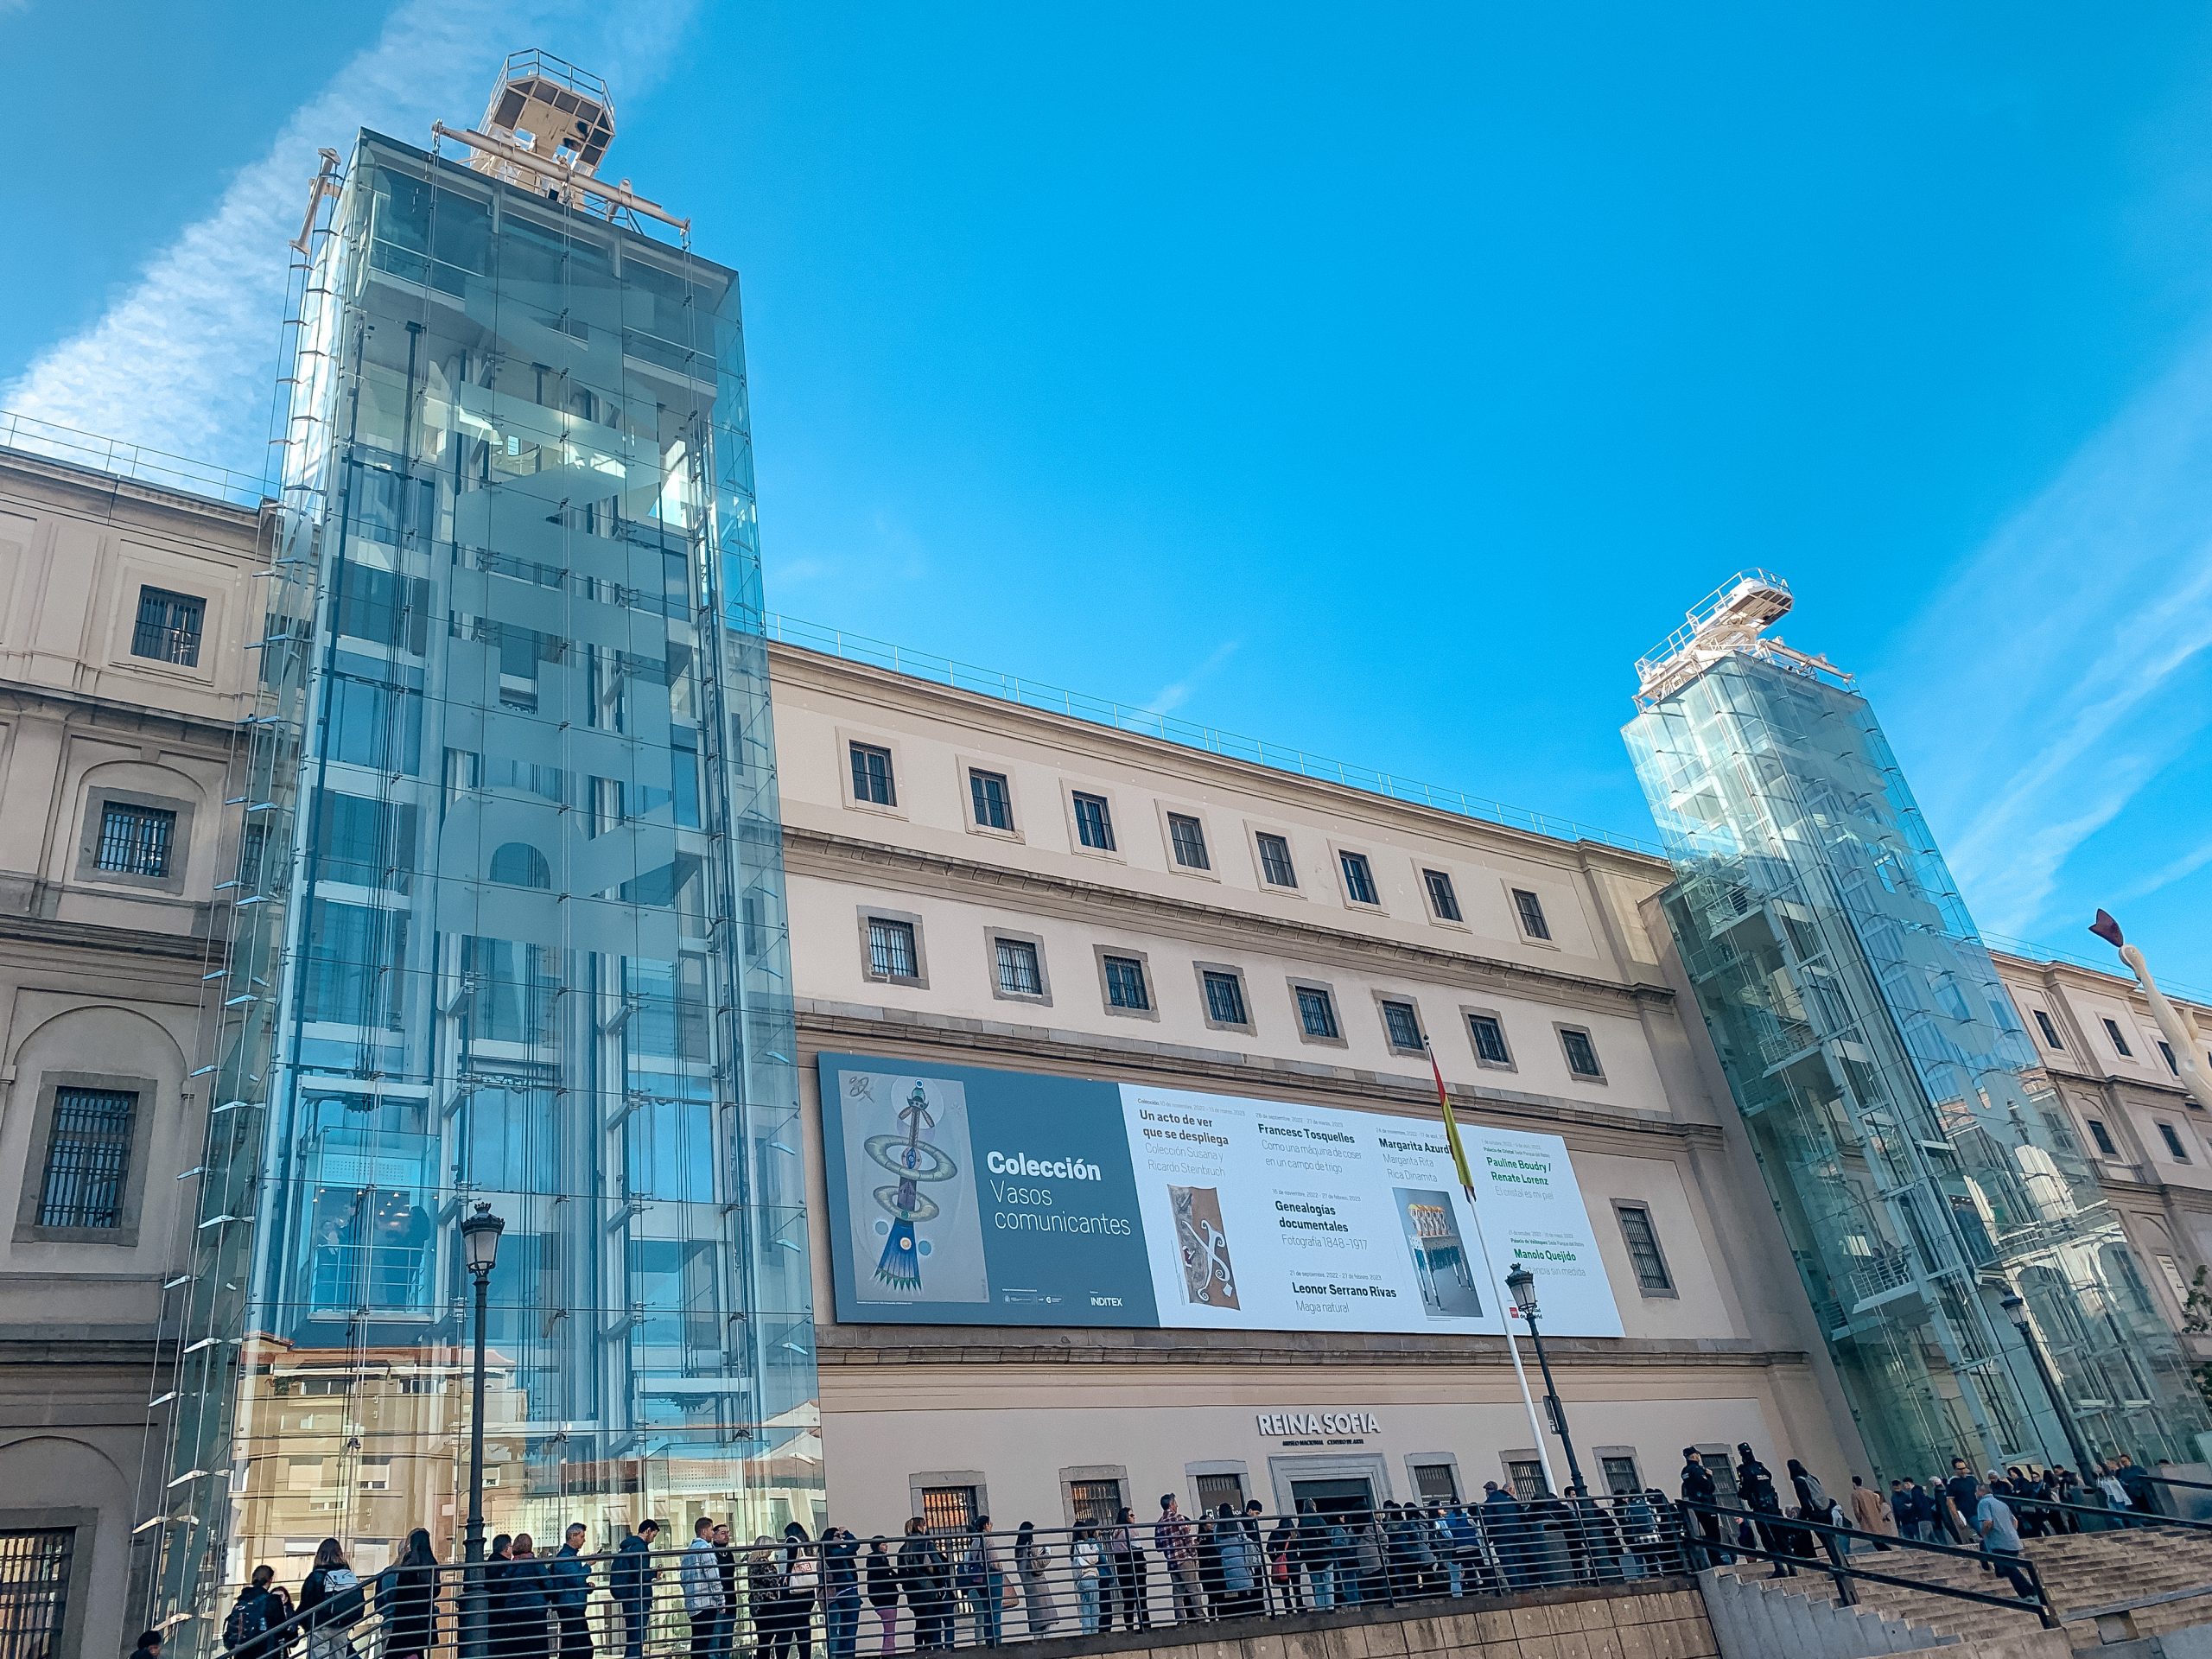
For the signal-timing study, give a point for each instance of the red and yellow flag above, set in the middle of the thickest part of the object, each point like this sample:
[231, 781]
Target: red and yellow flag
[1452, 1128]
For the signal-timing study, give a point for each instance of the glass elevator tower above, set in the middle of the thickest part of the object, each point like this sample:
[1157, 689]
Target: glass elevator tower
[1924, 1169]
[510, 908]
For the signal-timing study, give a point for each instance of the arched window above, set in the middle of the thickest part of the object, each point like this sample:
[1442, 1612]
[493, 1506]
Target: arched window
[518, 864]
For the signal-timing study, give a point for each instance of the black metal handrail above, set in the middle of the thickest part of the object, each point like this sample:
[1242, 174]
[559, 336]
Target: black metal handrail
[1840, 1568]
[2110, 1518]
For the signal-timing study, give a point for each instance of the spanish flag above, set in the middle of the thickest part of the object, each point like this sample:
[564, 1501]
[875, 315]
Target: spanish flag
[1452, 1127]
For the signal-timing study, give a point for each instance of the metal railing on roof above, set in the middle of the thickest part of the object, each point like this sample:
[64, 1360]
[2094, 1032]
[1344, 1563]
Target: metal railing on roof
[1152, 722]
[2035, 952]
[50, 441]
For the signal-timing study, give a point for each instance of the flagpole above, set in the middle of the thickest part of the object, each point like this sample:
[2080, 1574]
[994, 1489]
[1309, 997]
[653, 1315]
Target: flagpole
[1482, 1241]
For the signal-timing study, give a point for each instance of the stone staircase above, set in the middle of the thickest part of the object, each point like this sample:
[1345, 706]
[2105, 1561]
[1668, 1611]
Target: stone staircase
[2144, 1581]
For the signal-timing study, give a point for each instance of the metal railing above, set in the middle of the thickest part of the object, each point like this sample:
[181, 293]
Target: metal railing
[31, 435]
[942, 1588]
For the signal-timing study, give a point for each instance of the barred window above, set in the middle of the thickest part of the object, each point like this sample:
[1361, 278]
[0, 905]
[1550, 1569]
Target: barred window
[1275, 867]
[948, 1508]
[136, 840]
[1096, 1503]
[994, 802]
[87, 1158]
[1359, 879]
[168, 626]
[1442, 898]
[1020, 972]
[890, 953]
[1527, 1475]
[1188, 837]
[1489, 1034]
[1436, 1483]
[34, 1590]
[1214, 1491]
[1225, 1000]
[1094, 823]
[1316, 1013]
[1581, 1052]
[1401, 1021]
[1620, 1476]
[1642, 1242]
[1125, 986]
[872, 775]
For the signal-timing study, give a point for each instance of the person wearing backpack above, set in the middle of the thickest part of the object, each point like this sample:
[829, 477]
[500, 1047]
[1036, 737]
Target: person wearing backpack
[331, 1603]
[245, 1630]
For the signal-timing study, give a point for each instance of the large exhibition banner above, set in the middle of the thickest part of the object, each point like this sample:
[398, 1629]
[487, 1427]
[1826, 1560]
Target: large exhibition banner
[965, 1196]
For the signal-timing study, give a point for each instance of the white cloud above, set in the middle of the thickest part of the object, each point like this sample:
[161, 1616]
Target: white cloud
[2067, 666]
[1173, 695]
[184, 359]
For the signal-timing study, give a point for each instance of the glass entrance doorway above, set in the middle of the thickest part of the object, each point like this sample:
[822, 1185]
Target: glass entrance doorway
[1352, 1494]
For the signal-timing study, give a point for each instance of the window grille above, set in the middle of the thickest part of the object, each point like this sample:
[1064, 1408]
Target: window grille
[1096, 1503]
[1125, 986]
[1531, 909]
[993, 804]
[1189, 839]
[1643, 1241]
[890, 953]
[1527, 1475]
[1490, 1039]
[1275, 867]
[948, 1508]
[136, 840]
[1582, 1053]
[34, 1590]
[1225, 1000]
[1018, 972]
[1442, 898]
[1359, 879]
[872, 775]
[1401, 1021]
[1620, 1476]
[1094, 823]
[1435, 1482]
[1317, 1012]
[169, 627]
[1214, 1491]
[87, 1158]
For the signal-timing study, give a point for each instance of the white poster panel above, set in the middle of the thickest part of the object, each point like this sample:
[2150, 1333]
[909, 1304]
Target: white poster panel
[1264, 1216]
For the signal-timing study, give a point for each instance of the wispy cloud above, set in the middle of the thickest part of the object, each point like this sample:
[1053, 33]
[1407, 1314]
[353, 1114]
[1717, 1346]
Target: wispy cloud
[1176, 693]
[2069, 665]
[184, 359]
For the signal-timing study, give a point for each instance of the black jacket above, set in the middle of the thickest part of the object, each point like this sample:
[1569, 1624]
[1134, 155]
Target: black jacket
[1697, 1483]
[882, 1580]
[407, 1597]
[630, 1575]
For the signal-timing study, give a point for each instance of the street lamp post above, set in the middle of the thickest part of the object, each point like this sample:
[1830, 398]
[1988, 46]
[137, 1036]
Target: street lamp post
[1523, 1284]
[2016, 1309]
[480, 1243]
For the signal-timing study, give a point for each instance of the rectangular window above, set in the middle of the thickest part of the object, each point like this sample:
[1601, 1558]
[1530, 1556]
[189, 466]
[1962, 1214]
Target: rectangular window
[1094, 824]
[1620, 1476]
[1214, 1491]
[1316, 1013]
[2173, 1143]
[1359, 880]
[872, 775]
[34, 1590]
[2049, 1031]
[1226, 999]
[1098, 1503]
[948, 1508]
[1401, 1023]
[1526, 1478]
[1582, 1053]
[168, 626]
[1436, 1483]
[890, 953]
[1441, 898]
[1490, 1039]
[1125, 986]
[2167, 1054]
[2102, 1136]
[1642, 1242]
[1275, 867]
[2112, 1030]
[136, 840]
[1531, 912]
[993, 804]
[1188, 837]
[2175, 1280]
[87, 1158]
[1020, 973]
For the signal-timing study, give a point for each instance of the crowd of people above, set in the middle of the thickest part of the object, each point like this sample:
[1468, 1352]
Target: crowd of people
[938, 1587]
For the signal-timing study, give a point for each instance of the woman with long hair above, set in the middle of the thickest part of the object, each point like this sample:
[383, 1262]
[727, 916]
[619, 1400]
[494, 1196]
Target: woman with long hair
[1030, 1562]
[407, 1597]
[331, 1603]
[882, 1579]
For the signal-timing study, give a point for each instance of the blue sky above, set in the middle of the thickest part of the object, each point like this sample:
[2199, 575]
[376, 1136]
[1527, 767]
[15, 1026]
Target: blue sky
[1382, 383]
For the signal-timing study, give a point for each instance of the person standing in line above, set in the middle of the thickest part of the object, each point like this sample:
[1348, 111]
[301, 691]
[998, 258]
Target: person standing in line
[921, 1576]
[331, 1603]
[1904, 1510]
[699, 1576]
[283, 1627]
[1699, 1487]
[528, 1597]
[1087, 1561]
[629, 1578]
[1813, 1504]
[1032, 1565]
[1239, 1570]
[802, 1579]
[1756, 1486]
[1283, 1566]
[1999, 1534]
[841, 1593]
[569, 1587]
[1965, 1493]
[1316, 1556]
[1177, 1541]
[881, 1575]
[726, 1563]
[407, 1599]
[245, 1628]
[763, 1595]
[1125, 1562]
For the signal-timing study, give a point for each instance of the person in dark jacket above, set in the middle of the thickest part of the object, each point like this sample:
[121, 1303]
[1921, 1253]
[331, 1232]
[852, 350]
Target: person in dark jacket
[630, 1581]
[881, 1575]
[926, 1577]
[1965, 1493]
[149, 1645]
[1755, 1485]
[331, 1603]
[1699, 1487]
[407, 1599]
[515, 1594]
[841, 1593]
[567, 1586]
[245, 1629]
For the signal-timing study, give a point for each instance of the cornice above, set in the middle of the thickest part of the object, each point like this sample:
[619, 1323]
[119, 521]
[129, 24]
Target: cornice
[134, 715]
[853, 1027]
[817, 852]
[101, 491]
[94, 936]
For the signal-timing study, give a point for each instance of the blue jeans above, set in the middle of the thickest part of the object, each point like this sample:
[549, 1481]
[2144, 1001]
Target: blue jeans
[1086, 1604]
[841, 1619]
[987, 1601]
[1323, 1582]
